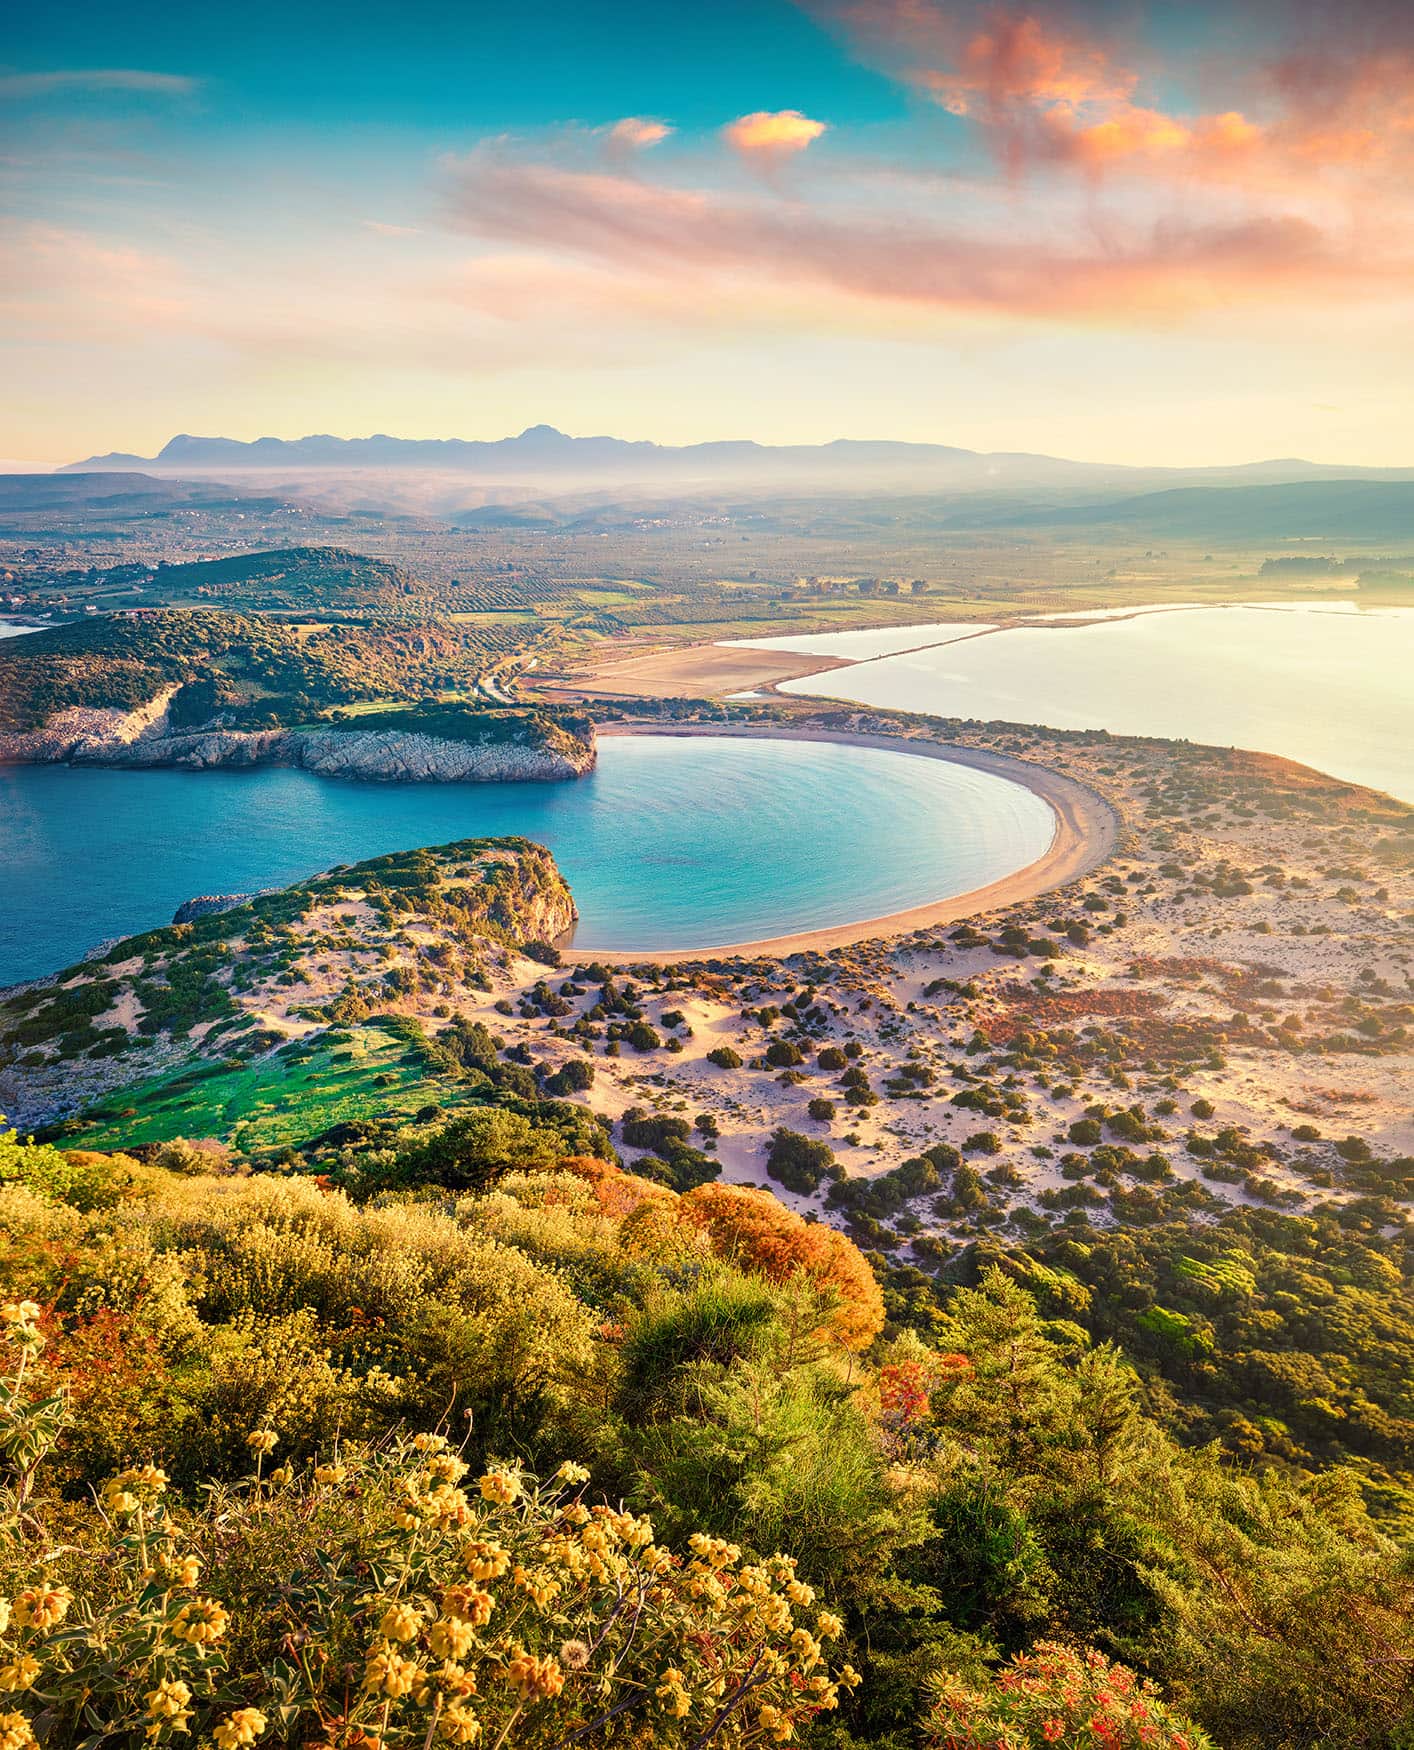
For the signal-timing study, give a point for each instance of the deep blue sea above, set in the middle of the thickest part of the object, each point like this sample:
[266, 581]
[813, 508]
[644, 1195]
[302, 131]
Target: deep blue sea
[671, 843]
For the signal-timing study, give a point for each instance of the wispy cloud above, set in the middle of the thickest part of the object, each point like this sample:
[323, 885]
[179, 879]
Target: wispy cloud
[1139, 273]
[134, 79]
[637, 132]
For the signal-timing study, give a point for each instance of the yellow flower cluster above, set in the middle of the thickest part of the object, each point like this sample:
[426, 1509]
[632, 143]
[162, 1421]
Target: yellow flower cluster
[137, 1487]
[201, 1623]
[21, 1672]
[168, 1707]
[242, 1727]
[484, 1559]
[533, 1678]
[15, 1733]
[482, 1599]
[42, 1607]
[500, 1486]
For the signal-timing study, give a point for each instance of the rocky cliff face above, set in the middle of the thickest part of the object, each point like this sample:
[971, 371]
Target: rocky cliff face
[145, 738]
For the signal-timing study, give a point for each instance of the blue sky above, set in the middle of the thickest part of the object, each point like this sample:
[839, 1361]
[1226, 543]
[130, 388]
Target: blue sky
[1175, 233]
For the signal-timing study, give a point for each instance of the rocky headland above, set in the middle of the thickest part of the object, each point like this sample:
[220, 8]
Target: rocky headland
[391, 747]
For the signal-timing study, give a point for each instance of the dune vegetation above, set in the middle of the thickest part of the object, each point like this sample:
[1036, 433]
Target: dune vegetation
[471, 1439]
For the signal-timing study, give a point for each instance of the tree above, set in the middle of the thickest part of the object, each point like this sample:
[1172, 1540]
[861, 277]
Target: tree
[800, 1162]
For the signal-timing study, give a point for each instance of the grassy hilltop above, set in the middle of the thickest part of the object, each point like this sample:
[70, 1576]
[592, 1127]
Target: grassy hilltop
[241, 671]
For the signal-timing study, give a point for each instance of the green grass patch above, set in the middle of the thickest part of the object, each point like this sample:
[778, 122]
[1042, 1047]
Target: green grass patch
[285, 1097]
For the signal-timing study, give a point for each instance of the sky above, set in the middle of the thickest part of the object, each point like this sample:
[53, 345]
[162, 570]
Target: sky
[1170, 233]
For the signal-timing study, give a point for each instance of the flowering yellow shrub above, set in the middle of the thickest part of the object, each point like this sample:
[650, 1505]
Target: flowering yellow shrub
[385, 1598]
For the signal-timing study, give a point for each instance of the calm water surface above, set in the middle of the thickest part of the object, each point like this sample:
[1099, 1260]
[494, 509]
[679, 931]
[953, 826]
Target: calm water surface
[1330, 685]
[671, 843]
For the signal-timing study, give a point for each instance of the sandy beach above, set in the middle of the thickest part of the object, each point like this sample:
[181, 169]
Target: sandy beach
[691, 671]
[1086, 832]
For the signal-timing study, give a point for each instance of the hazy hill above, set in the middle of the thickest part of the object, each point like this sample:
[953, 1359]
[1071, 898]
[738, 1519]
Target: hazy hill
[543, 455]
[1363, 510]
[57, 503]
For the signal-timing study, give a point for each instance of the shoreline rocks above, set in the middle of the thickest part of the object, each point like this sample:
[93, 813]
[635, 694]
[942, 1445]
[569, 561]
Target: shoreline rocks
[143, 738]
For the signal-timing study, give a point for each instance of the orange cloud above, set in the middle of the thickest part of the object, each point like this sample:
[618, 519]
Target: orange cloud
[638, 132]
[772, 133]
[1043, 88]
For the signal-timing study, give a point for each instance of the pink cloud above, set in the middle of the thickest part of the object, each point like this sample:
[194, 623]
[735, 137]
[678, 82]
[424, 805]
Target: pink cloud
[1140, 274]
[1044, 87]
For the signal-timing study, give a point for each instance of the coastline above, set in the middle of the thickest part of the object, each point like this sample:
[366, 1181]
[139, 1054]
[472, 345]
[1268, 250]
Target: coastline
[1085, 836]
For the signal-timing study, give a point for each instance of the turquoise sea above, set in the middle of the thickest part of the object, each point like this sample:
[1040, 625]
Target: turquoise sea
[671, 843]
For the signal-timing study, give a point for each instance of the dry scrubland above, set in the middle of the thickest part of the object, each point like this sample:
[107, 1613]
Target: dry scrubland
[1000, 1334]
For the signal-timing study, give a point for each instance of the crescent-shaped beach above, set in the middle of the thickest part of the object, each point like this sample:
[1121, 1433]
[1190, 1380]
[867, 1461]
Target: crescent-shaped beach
[1086, 832]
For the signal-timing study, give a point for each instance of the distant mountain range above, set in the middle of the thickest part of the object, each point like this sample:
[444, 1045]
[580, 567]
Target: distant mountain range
[546, 456]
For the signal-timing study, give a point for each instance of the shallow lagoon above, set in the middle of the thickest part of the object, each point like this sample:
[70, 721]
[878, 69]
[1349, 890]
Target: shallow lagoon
[671, 843]
[1328, 684]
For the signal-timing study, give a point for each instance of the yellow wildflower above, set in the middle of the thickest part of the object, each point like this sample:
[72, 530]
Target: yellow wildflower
[280, 1476]
[537, 1584]
[242, 1727]
[533, 1678]
[501, 1486]
[201, 1623]
[4, 1614]
[262, 1442]
[42, 1607]
[389, 1673]
[829, 1625]
[446, 1467]
[19, 1312]
[468, 1604]
[484, 1560]
[400, 1622]
[458, 1725]
[778, 1724]
[572, 1473]
[429, 1442]
[15, 1733]
[331, 1474]
[20, 1673]
[799, 1593]
[451, 1638]
[805, 1647]
[169, 1705]
[672, 1692]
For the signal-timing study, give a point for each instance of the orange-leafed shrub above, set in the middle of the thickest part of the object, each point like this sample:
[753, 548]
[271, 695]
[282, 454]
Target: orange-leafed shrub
[618, 1194]
[760, 1234]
